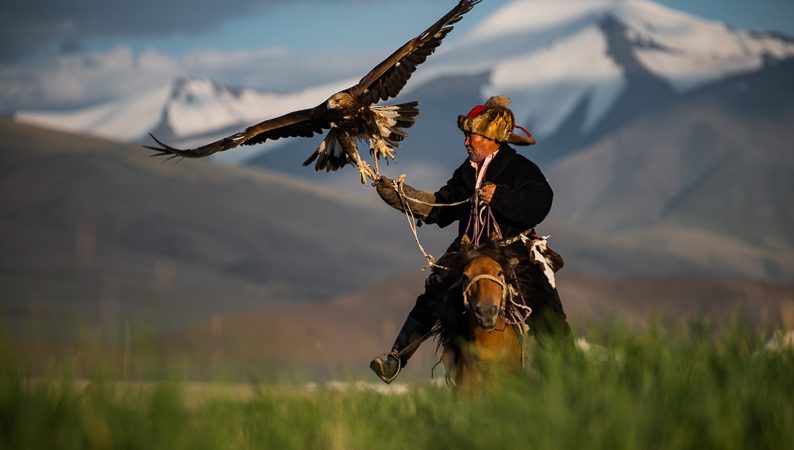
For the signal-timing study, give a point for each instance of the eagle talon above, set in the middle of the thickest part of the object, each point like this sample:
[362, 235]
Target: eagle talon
[387, 153]
[380, 150]
[365, 171]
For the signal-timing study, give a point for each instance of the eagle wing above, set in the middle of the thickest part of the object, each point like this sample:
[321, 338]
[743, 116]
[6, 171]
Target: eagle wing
[381, 83]
[303, 123]
[388, 78]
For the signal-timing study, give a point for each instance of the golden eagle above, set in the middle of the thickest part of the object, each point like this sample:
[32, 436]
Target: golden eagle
[349, 115]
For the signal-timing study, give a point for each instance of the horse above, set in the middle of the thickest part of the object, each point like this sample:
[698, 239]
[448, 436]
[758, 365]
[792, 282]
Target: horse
[476, 321]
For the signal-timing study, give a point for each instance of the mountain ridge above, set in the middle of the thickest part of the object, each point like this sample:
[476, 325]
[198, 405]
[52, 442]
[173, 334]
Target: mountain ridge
[664, 43]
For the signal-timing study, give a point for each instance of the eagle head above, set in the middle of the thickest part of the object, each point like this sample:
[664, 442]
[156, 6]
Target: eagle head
[340, 100]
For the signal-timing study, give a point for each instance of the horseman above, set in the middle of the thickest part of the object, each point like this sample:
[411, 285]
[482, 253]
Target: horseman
[517, 197]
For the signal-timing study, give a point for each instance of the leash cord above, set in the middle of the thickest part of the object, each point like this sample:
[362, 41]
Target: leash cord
[398, 185]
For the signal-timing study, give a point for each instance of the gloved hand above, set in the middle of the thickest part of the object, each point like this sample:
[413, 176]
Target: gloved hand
[385, 188]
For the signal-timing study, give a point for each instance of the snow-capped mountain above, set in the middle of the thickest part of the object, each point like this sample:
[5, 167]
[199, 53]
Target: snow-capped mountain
[189, 111]
[575, 70]
[555, 53]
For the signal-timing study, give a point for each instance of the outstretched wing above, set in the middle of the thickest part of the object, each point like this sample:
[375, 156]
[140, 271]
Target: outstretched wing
[303, 123]
[388, 78]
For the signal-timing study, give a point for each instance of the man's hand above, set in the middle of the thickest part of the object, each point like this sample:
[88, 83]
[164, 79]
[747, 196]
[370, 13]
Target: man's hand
[486, 192]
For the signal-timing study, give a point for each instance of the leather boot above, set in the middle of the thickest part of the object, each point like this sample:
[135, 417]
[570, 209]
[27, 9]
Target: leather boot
[387, 366]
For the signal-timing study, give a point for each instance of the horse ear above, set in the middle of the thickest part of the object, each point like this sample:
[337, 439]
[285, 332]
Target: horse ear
[495, 236]
[465, 243]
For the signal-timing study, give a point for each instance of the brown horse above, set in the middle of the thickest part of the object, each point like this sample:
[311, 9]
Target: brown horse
[474, 332]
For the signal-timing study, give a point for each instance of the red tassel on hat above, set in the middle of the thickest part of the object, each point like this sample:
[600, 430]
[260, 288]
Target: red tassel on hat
[523, 129]
[475, 111]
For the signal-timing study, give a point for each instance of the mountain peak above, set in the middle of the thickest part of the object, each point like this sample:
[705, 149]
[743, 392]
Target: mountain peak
[552, 58]
[192, 89]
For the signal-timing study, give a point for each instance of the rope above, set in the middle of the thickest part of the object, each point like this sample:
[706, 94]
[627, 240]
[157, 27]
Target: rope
[401, 180]
[483, 221]
[398, 185]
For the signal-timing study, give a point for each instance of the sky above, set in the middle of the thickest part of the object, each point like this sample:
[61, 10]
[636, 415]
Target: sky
[303, 41]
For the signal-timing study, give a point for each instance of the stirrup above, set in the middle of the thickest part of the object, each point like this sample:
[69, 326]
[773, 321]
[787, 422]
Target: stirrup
[383, 357]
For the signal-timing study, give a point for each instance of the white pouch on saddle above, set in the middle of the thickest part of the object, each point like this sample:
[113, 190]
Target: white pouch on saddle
[538, 249]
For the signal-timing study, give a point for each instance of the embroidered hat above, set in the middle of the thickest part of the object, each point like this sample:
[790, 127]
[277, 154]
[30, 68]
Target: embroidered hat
[494, 120]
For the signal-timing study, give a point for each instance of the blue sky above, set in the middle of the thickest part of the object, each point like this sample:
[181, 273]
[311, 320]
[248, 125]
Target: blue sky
[179, 26]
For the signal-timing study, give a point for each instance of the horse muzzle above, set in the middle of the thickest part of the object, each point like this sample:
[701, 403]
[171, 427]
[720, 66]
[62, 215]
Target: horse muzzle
[486, 316]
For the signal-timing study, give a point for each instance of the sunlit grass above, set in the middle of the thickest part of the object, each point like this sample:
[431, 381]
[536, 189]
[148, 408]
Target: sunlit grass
[658, 388]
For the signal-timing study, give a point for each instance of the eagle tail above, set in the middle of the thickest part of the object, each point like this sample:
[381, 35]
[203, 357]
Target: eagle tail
[329, 154]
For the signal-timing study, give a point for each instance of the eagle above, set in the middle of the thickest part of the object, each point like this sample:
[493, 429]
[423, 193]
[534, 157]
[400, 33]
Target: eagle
[349, 115]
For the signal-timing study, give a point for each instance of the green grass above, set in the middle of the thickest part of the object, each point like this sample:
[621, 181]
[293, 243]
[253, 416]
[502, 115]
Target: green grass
[654, 389]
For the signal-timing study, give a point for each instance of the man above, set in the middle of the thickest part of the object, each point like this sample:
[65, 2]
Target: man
[519, 197]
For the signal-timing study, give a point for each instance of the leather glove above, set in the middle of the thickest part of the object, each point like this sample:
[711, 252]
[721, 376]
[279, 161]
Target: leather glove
[385, 189]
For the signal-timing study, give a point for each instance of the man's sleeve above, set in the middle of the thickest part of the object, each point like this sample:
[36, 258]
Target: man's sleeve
[449, 193]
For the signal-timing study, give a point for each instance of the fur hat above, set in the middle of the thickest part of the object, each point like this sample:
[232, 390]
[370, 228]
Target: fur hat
[494, 120]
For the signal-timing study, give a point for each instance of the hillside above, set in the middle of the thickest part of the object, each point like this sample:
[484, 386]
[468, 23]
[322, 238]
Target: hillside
[98, 230]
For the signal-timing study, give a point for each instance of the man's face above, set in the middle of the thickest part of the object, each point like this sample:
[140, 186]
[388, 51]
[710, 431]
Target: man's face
[479, 147]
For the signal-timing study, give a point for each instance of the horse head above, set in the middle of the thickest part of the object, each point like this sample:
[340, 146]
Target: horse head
[484, 288]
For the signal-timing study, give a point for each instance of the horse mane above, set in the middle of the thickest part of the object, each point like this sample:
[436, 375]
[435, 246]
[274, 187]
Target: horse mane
[451, 320]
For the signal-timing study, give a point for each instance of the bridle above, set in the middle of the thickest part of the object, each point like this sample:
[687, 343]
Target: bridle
[484, 276]
[509, 293]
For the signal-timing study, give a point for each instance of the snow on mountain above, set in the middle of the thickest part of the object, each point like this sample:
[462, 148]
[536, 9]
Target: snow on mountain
[188, 112]
[124, 119]
[685, 50]
[550, 57]
[688, 51]
[557, 84]
[196, 106]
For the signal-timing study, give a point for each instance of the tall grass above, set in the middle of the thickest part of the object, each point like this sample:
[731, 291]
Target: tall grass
[658, 388]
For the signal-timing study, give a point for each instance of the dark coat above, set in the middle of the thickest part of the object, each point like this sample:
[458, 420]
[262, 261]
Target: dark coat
[521, 201]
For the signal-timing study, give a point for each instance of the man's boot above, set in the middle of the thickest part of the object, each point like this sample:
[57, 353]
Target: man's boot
[387, 366]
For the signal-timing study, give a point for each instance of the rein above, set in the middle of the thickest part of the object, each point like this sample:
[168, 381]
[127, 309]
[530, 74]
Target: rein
[483, 221]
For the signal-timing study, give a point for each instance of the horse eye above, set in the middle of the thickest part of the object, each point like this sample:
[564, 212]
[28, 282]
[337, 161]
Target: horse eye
[499, 274]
